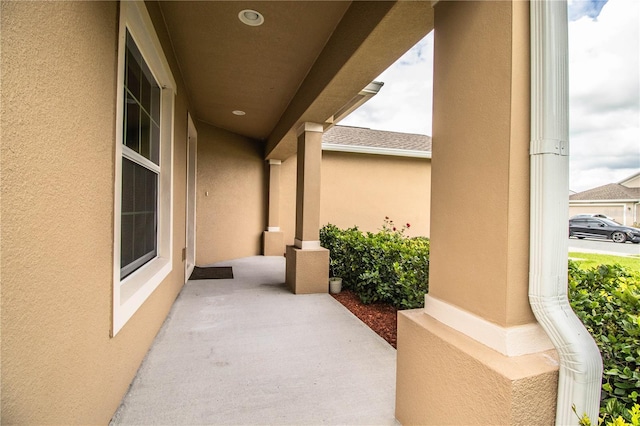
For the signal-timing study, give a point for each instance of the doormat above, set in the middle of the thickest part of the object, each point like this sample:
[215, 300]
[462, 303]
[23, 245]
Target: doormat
[212, 273]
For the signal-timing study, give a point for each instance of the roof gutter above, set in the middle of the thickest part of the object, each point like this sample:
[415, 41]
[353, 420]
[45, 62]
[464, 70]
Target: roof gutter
[376, 151]
[356, 102]
[580, 374]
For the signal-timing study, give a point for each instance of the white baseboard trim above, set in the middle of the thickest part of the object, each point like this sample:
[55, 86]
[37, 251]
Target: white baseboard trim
[509, 341]
[307, 245]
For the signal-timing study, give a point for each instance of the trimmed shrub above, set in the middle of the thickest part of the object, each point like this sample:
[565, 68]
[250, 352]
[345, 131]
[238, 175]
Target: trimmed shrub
[607, 301]
[386, 266]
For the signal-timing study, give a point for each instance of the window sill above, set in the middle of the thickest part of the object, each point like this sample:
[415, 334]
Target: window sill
[132, 291]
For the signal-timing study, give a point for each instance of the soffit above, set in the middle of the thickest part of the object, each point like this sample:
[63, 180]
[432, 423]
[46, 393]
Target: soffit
[369, 39]
[307, 61]
[227, 65]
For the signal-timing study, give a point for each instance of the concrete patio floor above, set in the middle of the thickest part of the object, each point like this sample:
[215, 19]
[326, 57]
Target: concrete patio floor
[247, 351]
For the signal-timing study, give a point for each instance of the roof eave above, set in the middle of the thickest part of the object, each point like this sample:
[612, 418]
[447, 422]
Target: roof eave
[376, 151]
[632, 200]
[628, 178]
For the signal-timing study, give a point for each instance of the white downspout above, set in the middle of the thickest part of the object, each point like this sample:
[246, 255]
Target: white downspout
[580, 362]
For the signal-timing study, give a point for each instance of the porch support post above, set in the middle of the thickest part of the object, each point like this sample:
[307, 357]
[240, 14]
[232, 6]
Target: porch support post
[475, 353]
[307, 262]
[273, 237]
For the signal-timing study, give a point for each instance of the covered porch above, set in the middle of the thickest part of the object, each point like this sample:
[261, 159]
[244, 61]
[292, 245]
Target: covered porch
[248, 351]
[239, 112]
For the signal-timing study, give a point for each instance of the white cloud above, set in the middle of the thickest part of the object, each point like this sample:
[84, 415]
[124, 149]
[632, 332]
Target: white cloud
[604, 92]
[604, 82]
[404, 104]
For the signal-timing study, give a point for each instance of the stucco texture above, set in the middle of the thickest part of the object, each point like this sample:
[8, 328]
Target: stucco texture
[361, 190]
[480, 173]
[446, 378]
[479, 228]
[308, 182]
[59, 363]
[307, 270]
[231, 218]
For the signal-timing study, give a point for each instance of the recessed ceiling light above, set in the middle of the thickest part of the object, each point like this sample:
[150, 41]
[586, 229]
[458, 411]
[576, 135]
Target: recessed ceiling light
[238, 112]
[251, 17]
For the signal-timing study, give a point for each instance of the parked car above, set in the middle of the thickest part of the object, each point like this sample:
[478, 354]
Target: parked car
[597, 227]
[604, 216]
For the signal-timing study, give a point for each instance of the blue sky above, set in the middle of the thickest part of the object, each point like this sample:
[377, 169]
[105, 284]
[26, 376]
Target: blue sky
[588, 8]
[604, 91]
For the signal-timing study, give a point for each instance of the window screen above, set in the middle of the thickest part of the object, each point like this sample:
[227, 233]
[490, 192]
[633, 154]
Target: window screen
[139, 213]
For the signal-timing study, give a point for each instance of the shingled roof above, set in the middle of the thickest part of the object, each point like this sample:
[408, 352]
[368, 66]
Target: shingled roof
[360, 136]
[611, 191]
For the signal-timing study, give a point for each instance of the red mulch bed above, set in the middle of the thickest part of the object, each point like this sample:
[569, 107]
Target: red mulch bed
[380, 317]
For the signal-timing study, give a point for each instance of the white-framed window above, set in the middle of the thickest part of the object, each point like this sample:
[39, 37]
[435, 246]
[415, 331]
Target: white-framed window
[143, 159]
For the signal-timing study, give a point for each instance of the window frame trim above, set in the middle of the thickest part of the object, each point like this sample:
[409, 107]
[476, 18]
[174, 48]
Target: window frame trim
[130, 293]
[139, 159]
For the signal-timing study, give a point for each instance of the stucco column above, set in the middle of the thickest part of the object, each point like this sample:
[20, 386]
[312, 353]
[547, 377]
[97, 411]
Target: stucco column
[308, 186]
[273, 237]
[477, 339]
[307, 262]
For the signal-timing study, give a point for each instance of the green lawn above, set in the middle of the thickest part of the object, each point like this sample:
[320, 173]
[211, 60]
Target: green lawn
[589, 260]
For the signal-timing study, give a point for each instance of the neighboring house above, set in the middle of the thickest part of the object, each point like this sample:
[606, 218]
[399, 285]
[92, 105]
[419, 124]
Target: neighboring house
[135, 141]
[621, 201]
[367, 175]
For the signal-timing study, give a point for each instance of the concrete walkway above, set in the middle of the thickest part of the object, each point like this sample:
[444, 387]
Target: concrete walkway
[246, 351]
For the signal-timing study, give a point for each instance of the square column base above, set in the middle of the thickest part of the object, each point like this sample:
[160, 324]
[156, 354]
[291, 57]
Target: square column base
[307, 270]
[273, 243]
[445, 377]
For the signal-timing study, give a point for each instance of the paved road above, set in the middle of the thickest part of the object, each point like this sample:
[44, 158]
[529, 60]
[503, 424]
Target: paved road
[588, 245]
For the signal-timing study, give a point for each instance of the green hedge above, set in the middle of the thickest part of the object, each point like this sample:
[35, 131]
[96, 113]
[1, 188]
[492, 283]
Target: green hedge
[389, 267]
[384, 267]
[606, 298]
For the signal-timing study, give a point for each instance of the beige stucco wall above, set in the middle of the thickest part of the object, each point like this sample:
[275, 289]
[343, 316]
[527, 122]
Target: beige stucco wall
[361, 189]
[480, 160]
[231, 218]
[59, 363]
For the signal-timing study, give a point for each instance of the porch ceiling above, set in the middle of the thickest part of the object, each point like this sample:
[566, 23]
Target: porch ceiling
[308, 59]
